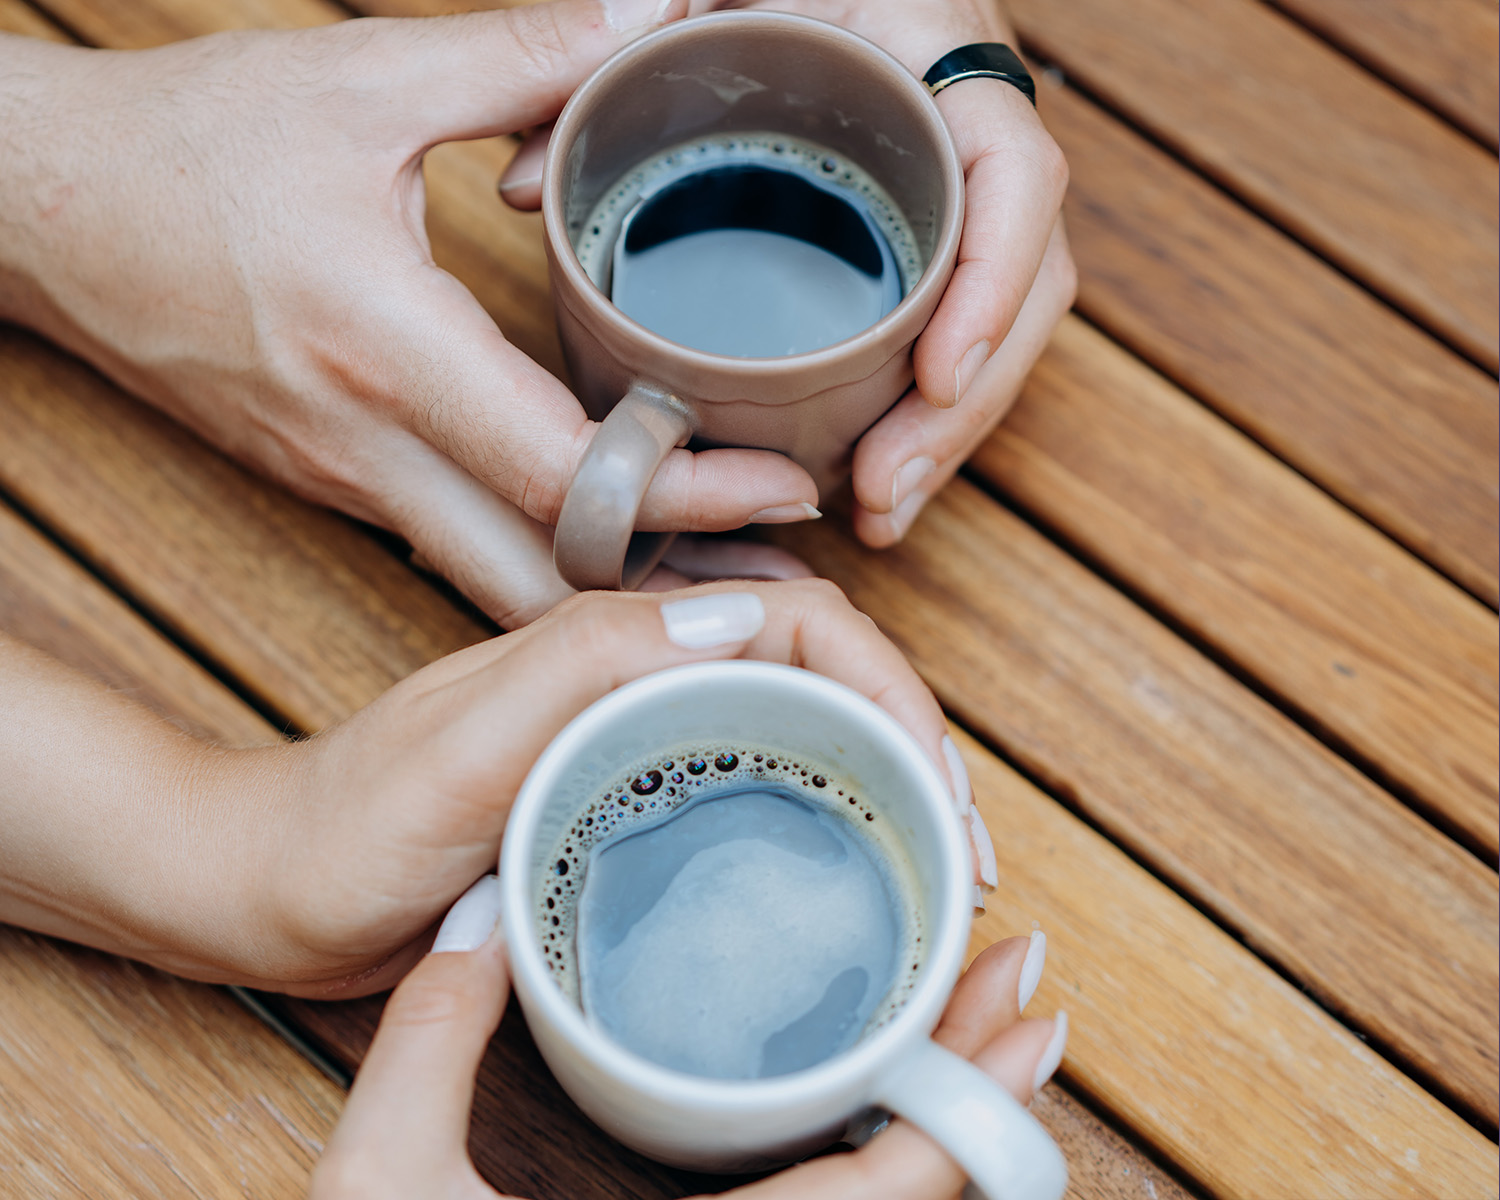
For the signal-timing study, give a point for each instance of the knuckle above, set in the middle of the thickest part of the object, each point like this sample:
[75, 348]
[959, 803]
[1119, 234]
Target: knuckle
[540, 41]
[820, 593]
[591, 623]
[1053, 165]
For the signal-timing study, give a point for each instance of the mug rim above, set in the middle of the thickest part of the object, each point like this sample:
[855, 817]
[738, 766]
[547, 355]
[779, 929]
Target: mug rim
[925, 293]
[915, 1019]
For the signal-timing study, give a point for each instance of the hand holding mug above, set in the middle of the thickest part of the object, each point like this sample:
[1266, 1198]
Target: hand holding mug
[1014, 279]
[232, 228]
[404, 1131]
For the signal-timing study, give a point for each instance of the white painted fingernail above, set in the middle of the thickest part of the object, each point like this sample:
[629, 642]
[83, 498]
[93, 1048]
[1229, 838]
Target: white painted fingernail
[905, 515]
[716, 620]
[508, 184]
[968, 367]
[784, 514]
[963, 794]
[978, 898]
[1052, 1056]
[1031, 969]
[634, 14]
[471, 920]
[910, 474]
[985, 848]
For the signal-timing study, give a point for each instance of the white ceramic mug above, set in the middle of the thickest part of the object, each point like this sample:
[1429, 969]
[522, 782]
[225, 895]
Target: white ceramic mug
[742, 1125]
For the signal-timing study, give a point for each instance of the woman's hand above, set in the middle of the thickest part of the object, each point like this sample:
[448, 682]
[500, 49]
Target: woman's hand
[1015, 277]
[389, 817]
[322, 867]
[233, 228]
[405, 1129]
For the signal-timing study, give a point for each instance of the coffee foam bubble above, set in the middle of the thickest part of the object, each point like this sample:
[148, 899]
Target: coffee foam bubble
[655, 788]
[595, 236]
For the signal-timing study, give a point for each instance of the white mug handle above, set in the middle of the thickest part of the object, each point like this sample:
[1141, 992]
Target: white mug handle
[1004, 1149]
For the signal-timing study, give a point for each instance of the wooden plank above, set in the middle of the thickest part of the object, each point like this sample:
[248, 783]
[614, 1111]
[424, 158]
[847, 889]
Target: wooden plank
[1397, 427]
[131, 25]
[48, 600]
[120, 1081]
[1392, 194]
[324, 586]
[1280, 1101]
[1210, 786]
[16, 16]
[1372, 647]
[1445, 54]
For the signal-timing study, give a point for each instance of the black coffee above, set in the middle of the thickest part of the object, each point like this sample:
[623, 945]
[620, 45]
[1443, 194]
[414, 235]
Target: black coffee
[754, 246]
[731, 914]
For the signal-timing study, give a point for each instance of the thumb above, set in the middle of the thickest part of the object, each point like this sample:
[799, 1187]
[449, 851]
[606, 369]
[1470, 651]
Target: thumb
[475, 75]
[405, 1127]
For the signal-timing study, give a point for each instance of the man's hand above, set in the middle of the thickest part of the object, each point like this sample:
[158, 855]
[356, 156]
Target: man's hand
[1014, 281]
[232, 228]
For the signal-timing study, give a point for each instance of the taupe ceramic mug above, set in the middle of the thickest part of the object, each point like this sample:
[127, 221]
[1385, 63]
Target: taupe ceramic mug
[722, 74]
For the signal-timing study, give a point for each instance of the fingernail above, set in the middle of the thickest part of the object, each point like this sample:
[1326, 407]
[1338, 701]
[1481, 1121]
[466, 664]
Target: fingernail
[634, 14]
[784, 514]
[471, 920]
[1031, 969]
[985, 848]
[968, 367]
[910, 474]
[716, 620]
[903, 516]
[1052, 1056]
[963, 793]
[978, 898]
[507, 184]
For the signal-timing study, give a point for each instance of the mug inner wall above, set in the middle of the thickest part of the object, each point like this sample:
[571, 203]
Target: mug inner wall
[802, 81]
[761, 710]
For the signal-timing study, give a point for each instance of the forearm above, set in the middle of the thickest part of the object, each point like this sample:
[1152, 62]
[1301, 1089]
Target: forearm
[119, 831]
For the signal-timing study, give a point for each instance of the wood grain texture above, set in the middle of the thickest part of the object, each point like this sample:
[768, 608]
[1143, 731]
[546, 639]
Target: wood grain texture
[185, 532]
[1210, 786]
[1306, 1110]
[1393, 195]
[1444, 52]
[16, 16]
[118, 1081]
[51, 602]
[1308, 363]
[130, 25]
[1340, 623]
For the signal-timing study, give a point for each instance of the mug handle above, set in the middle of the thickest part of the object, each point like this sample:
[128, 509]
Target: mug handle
[1004, 1149]
[596, 546]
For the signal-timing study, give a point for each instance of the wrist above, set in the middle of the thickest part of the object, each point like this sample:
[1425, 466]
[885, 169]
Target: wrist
[39, 122]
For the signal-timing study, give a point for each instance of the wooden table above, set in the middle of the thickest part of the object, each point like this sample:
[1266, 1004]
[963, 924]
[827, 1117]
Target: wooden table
[1212, 614]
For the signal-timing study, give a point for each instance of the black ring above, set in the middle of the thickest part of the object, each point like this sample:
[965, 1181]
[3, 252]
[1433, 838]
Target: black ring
[982, 60]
